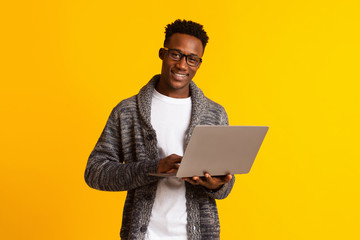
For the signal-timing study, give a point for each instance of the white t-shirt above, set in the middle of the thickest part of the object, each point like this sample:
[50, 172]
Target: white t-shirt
[170, 118]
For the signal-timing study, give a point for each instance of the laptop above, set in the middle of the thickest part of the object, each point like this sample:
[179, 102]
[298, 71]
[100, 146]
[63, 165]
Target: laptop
[220, 150]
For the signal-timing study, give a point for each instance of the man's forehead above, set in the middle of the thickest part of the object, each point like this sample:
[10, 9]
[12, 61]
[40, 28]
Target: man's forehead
[186, 43]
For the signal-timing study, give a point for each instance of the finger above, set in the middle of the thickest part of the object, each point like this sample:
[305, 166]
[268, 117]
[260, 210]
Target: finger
[172, 170]
[195, 180]
[209, 178]
[178, 160]
[189, 180]
[186, 179]
[228, 178]
[203, 181]
[174, 157]
[176, 165]
[215, 182]
[175, 160]
[221, 180]
[225, 179]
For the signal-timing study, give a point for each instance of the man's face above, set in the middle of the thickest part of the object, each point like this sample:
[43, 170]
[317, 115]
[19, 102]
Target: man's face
[176, 75]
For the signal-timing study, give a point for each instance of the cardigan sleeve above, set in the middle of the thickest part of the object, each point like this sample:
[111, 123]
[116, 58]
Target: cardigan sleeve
[106, 169]
[223, 191]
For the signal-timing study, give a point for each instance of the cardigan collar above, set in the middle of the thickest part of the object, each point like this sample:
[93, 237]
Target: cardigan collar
[145, 96]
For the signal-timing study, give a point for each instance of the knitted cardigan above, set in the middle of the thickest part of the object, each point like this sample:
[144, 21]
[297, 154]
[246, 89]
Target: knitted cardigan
[127, 151]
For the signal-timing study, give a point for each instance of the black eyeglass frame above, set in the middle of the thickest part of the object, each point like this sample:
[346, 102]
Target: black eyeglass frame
[183, 55]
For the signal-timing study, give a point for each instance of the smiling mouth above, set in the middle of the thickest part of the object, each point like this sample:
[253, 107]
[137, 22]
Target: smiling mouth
[179, 75]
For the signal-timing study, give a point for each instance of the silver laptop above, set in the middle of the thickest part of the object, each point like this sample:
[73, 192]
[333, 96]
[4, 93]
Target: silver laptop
[220, 150]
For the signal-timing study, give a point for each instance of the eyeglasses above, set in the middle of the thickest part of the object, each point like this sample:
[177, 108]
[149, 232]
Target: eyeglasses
[177, 55]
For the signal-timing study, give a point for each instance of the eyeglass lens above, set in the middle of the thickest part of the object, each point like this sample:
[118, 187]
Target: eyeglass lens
[177, 56]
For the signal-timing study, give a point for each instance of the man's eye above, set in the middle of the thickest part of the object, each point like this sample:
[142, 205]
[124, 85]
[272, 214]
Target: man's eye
[175, 55]
[192, 60]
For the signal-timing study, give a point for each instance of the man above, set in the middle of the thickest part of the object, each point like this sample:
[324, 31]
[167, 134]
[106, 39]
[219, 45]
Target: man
[148, 133]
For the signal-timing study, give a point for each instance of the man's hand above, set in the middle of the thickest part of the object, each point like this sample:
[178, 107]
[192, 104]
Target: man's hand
[169, 164]
[209, 182]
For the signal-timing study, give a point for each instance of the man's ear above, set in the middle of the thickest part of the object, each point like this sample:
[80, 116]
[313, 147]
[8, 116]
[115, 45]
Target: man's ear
[161, 53]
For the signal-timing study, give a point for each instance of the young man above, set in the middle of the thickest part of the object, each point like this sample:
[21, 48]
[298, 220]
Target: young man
[148, 133]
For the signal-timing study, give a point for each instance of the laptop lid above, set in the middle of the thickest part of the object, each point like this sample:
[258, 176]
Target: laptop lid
[220, 150]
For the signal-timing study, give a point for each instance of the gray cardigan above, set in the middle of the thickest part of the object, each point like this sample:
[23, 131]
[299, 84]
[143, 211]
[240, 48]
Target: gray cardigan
[127, 151]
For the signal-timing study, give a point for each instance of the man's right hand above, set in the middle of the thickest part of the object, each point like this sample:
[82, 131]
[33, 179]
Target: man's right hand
[169, 164]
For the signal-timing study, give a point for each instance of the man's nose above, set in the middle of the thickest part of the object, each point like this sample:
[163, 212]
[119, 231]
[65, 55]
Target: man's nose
[182, 64]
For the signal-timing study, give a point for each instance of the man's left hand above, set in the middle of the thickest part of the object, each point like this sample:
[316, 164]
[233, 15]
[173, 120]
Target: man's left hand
[208, 181]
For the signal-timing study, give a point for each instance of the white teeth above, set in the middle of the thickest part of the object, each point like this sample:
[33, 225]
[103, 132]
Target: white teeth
[180, 75]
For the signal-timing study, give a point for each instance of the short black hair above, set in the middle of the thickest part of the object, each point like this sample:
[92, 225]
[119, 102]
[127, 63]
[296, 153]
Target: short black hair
[186, 27]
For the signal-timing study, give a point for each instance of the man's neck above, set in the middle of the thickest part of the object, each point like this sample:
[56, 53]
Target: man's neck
[179, 93]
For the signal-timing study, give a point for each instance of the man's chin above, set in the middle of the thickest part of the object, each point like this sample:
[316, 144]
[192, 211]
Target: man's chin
[178, 85]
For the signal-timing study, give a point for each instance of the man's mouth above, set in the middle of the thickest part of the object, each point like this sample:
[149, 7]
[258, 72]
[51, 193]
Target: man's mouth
[179, 76]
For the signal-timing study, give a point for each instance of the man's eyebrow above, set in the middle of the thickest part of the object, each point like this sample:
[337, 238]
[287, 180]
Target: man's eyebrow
[191, 54]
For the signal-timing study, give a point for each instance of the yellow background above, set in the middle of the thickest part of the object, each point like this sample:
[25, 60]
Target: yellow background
[291, 65]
